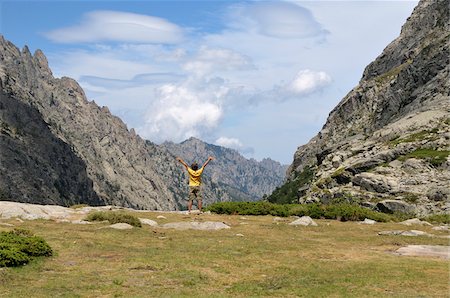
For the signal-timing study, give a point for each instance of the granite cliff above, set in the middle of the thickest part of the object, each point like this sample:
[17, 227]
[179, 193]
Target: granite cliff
[386, 144]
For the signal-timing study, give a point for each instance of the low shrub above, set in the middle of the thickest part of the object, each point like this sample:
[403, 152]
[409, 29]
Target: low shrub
[343, 211]
[438, 218]
[18, 247]
[114, 217]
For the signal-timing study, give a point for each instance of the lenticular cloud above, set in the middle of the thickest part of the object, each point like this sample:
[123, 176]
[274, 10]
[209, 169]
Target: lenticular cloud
[99, 26]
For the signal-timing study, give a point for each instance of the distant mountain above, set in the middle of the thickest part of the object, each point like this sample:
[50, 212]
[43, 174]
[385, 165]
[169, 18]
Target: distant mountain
[59, 148]
[389, 138]
[243, 179]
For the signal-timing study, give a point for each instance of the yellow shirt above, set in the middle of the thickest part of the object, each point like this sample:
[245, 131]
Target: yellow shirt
[195, 177]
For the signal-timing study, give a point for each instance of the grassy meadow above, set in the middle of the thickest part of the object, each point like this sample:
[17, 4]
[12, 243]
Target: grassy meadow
[257, 257]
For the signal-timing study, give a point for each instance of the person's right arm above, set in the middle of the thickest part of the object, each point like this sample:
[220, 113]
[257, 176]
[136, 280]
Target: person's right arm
[182, 162]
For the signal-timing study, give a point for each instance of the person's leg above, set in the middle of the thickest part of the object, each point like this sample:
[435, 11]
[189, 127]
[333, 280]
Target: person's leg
[192, 196]
[199, 204]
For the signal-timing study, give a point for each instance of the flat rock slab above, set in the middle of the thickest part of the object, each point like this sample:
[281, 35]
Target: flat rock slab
[194, 225]
[438, 251]
[121, 226]
[411, 233]
[33, 211]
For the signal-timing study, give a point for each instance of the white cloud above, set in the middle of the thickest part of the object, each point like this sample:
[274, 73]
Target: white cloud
[209, 60]
[275, 19]
[229, 143]
[308, 81]
[99, 26]
[178, 112]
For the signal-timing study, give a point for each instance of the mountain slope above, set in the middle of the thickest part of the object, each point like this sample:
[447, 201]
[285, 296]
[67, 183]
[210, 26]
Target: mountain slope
[72, 151]
[389, 137]
[122, 167]
[241, 178]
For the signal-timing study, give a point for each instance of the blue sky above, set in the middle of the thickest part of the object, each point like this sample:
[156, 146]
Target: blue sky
[257, 76]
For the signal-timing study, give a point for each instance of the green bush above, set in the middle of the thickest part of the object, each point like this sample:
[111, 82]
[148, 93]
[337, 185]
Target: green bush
[438, 218]
[114, 217]
[18, 247]
[344, 211]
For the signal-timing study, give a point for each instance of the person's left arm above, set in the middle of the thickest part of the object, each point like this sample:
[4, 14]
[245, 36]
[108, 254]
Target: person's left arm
[207, 161]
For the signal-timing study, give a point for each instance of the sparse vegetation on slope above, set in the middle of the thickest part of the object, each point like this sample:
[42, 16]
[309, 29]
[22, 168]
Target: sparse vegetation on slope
[114, 217]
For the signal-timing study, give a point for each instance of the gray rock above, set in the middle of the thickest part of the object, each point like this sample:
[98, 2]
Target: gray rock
[194, 225]
[439, 193]
[425, 251]
[415, 221]
[441, 228]
[304, 221]
[411, 233]
[146, 221]
[368, 221]
[376, 183]
[391, 206]
[121, 226]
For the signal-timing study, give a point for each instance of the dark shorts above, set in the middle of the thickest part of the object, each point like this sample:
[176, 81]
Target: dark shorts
[194, 193]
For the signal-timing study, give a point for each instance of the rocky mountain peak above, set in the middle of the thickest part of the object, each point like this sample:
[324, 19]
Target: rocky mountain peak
[398, 115]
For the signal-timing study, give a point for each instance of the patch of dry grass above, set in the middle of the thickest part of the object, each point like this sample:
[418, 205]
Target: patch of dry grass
[336, 259]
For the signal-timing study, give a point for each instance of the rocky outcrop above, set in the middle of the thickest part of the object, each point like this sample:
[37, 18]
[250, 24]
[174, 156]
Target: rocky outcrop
[119, 167]
[389, 138]
[242, 179]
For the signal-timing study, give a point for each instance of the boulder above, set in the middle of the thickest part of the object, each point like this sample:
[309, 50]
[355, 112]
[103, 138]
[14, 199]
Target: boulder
[146, 221]
[415, 221]
[391, 206]
[439, 193]
[376, 182]
[304, 221]
[368, 221]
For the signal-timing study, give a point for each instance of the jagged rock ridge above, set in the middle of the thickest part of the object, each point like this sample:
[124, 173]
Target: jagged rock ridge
[59, 148]
[243, 179]
[389, 137]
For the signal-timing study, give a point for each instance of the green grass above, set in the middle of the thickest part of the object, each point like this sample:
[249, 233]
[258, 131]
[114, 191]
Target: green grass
[418, 136]
[114, 217]
[434, 157]
[273, 259]
[438, 218]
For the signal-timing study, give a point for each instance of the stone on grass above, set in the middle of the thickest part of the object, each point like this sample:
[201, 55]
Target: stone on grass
[195, 225]
[439, 251]
[415, 221]
[411, 233]
[304, 221]
[441, 228]
[146, 221]
[121, 226]
[368, 221]
[161, 217]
